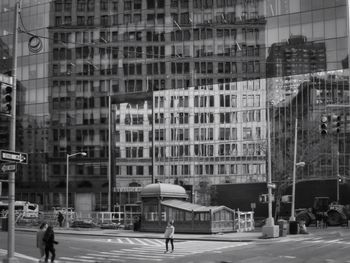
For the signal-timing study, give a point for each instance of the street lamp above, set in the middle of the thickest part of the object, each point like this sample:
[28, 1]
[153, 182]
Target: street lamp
[300, 164]
[67, 180]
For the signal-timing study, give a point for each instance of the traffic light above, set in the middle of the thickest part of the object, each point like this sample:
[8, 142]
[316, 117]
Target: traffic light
[6, 98]
[324, 124]
[286, 199]
[336, 123]
[341, 180]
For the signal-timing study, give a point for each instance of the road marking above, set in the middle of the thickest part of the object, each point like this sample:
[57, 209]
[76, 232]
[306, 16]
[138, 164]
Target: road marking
[156, 243]
[288, 256]
[75, 259]
[154, 252]
[128, 239]
[19, 255]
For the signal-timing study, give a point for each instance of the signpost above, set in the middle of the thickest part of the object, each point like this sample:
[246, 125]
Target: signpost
[10, 156]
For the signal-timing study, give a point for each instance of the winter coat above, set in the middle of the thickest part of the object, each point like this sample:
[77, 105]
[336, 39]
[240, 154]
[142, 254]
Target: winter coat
[39, 239]
[49, 239]
[60, 217]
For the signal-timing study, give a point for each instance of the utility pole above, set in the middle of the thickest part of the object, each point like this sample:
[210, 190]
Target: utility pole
[338, 175]
[11, 184]
[109, 153]
[269, 229]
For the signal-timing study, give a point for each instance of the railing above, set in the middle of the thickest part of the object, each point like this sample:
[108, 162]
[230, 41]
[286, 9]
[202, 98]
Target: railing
[127, 218]
[244, 221]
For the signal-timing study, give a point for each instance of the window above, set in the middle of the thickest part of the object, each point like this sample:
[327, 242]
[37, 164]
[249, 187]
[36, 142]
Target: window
[247, 133]
[81, 5]
[150, 4]
[58, 6]
[139, 170]
[129, 170]
[104, 5]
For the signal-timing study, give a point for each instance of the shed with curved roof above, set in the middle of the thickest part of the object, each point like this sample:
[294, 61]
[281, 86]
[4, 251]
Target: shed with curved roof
[160, 190]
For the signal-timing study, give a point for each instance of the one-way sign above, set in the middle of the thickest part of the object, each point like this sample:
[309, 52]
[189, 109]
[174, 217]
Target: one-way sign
[8, 167]
[16, 157]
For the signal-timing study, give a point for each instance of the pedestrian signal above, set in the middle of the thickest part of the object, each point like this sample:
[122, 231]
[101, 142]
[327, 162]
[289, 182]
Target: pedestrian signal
[286, 199]
[264, 198]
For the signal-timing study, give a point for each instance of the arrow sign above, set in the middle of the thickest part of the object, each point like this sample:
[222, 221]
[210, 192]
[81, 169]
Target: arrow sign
[8, 167]
[13, 157]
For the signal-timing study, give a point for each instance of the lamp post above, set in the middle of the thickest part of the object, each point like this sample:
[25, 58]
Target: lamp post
[67, 180]
[292, 215]
[295, 165]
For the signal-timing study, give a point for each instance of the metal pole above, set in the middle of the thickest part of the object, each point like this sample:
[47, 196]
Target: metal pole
[348, 18]
[153, 135]
[270, 219]
[292, 215]
[109, 152]
[11, 185]
[338, 175]
[67, 181]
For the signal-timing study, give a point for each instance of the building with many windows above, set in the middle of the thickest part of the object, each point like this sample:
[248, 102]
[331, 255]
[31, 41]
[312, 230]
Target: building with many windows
[203, 135]
[179, 50]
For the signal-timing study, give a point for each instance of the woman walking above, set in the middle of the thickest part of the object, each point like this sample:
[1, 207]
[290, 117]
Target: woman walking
[39, 240]
[49, 239]
[169, 236]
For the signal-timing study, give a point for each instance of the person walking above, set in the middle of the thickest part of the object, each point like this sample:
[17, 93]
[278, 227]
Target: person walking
[60, 218]
[39, 240]
[169, 236]
[49, 239]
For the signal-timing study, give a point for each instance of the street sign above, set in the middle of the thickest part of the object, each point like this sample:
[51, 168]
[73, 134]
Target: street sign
[272, 186]
[8, 167]
[16, 157]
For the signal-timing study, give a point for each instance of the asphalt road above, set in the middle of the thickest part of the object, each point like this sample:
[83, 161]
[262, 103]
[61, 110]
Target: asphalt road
[332, 246]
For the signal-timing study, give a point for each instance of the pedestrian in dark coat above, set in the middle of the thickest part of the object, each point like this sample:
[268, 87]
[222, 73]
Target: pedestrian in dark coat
[49, 239]
[60, 218]
[40, 244]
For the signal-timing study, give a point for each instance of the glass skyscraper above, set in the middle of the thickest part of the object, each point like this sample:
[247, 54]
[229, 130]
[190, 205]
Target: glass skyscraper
[213, 69]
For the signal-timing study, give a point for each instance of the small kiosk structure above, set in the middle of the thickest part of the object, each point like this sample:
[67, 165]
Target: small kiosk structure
[161, 203]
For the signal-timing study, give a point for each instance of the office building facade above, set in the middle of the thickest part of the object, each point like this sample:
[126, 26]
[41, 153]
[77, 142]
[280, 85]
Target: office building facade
[93, 50]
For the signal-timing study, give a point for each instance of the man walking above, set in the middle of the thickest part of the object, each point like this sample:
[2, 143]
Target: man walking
[169, 236]
[60, 219]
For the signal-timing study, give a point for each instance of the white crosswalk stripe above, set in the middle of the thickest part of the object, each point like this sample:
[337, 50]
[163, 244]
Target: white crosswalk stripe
[315, 240]
[133, 241]
[153, 253]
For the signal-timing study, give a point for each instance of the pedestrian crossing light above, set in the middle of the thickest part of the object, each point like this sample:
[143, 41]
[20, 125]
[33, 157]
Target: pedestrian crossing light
[336, 123]
[324, 125]
[6, 98]
[341, 180]
[286, 199]
[264, 198]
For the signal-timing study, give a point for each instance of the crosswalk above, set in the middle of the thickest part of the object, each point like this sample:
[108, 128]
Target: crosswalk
[316, 240]
[133, 241]
[152, 253]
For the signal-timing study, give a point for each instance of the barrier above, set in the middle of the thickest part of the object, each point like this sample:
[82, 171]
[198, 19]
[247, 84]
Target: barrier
[243, 221]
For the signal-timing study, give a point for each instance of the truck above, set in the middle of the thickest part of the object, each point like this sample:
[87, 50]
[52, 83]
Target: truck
[335, 213]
